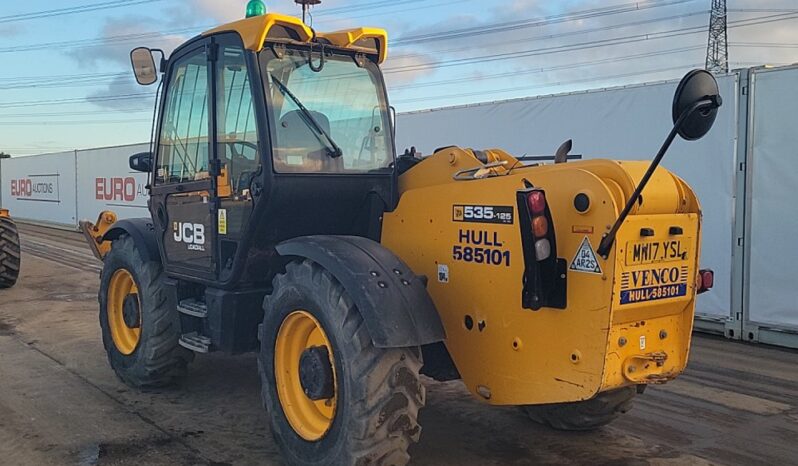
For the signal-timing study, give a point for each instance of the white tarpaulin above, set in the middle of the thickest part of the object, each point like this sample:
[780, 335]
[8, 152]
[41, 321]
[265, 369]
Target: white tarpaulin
[773, 169]
[106, 182]
[40, 187]
[622, 123]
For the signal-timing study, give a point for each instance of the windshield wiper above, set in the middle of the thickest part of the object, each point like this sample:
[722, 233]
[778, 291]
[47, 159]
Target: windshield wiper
[333, 150]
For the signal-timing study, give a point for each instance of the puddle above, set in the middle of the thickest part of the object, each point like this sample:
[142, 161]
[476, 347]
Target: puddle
[155, 450]
[114, 452]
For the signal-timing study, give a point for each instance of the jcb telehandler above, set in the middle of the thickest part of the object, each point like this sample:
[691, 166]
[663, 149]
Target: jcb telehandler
[9, 251]
[282, 222]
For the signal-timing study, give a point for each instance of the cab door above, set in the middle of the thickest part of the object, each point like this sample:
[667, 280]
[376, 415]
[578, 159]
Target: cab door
[182, 195]
[237, 148]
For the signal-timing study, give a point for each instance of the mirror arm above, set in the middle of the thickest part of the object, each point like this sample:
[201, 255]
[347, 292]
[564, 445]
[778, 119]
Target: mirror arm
[609, 238]
[392, 111]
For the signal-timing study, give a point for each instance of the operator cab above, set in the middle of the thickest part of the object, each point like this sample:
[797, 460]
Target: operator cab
[267, 130]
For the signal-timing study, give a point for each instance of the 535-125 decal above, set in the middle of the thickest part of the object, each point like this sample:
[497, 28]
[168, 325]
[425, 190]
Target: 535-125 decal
[483, 214]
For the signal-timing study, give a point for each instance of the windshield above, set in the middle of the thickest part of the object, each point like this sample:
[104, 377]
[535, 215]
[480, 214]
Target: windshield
[333, 120]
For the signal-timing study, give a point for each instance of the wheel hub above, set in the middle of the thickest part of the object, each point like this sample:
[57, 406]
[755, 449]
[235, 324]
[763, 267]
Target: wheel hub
[316, 373]
[305, 376]
[124, 311]
[130, 311]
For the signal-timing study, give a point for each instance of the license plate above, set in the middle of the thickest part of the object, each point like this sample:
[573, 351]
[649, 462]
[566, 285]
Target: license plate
[654, 252]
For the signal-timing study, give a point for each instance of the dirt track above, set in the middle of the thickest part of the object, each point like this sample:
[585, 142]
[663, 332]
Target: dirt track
[60, 403]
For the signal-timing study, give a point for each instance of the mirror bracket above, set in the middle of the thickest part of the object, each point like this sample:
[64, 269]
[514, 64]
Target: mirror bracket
[711, 102]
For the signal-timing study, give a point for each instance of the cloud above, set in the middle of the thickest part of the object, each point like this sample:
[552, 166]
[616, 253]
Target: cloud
[408, 68]
[113, 96]
[118, 52]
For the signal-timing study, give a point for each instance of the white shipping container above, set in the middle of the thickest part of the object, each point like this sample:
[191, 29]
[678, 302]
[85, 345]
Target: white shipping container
[106, 182]
[40, 188]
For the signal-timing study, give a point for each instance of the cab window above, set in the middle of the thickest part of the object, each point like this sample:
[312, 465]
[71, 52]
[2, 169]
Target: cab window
[237, 138]
[332, 120]
[183, 148]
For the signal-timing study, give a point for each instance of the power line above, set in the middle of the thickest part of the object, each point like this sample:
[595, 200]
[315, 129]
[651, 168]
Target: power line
[506, 26]
[88, 43]
[548, 69]
[34, 103]
[76, 113]
[470, 60]
[566, 34]
[500, 26]
[555, 84]
[363, 6]
[72, 10]
[413, 86]
[586, 45]
[88, 80]
[74, 122]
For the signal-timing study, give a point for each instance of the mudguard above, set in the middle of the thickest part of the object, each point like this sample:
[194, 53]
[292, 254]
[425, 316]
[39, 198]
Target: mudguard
[393, 301]
[143, 234]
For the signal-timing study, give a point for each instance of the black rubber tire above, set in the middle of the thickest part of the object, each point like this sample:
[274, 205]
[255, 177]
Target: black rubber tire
[10, 259]
[379, 390]
[158, 359]
[584, 415]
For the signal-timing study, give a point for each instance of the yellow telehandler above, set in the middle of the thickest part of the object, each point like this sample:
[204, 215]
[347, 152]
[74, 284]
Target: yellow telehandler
[282, 222]
[9, 251]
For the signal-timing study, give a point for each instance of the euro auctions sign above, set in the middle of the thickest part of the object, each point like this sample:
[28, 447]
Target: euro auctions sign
[119, 189]
[40, 188]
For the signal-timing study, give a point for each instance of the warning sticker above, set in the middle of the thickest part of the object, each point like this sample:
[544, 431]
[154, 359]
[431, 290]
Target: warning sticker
[443, 273]
[585, 260]
[222, 221]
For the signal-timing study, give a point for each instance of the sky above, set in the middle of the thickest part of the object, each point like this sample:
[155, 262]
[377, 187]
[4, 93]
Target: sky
[66, 81]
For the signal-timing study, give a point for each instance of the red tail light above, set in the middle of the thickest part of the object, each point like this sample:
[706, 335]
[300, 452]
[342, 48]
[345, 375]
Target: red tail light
[537, 202]
[705, 280]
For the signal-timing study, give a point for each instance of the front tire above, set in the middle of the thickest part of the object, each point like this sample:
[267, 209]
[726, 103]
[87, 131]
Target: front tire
[584, 415]
[9, 253]
[366, 398]
[140, 329]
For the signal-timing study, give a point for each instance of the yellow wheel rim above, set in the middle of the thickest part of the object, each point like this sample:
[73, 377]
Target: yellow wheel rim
[298, 332]
[121, 286]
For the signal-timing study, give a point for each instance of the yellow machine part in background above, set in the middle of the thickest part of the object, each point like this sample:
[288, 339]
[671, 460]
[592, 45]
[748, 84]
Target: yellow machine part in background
[507, 354]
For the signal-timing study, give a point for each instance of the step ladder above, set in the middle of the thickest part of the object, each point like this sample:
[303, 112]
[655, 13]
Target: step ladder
[194, 341]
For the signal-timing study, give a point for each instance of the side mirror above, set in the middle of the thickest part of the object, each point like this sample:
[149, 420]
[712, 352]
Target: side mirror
[141, 162]
[695, 106]
[143, 66]
[696, 87]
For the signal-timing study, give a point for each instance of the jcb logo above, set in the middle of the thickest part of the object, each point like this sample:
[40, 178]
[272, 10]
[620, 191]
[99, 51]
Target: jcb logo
[192, 234]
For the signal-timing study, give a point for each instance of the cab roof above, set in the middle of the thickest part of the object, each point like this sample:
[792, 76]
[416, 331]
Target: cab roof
[274, 27]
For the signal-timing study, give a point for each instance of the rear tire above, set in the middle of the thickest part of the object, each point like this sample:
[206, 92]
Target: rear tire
[9, 253]
[153, 358]
[377, 392]
[584, 415]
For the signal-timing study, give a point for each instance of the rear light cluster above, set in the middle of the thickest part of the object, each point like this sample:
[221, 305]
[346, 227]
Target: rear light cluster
[704, 281]
[536, 200]
[544, 274]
